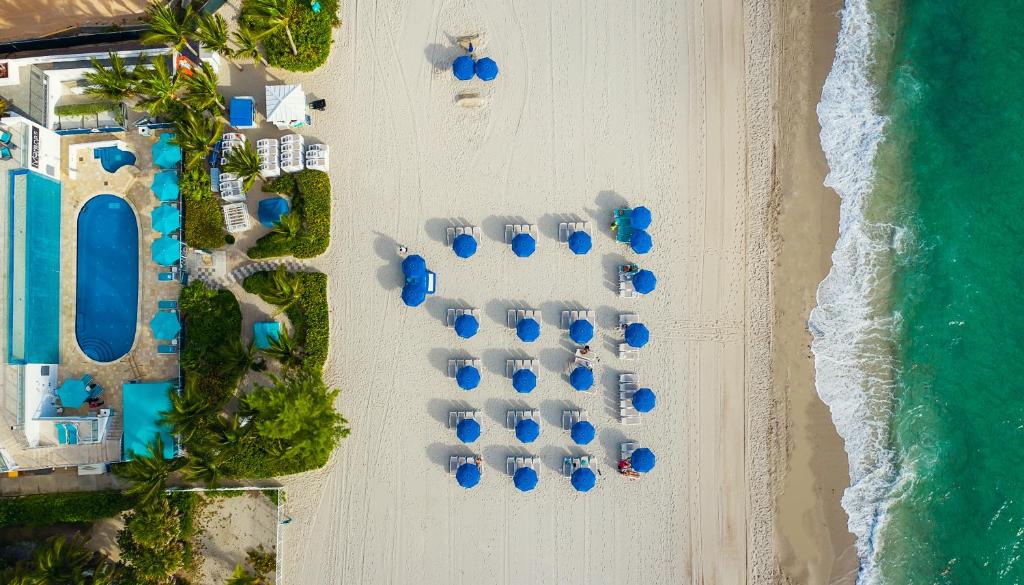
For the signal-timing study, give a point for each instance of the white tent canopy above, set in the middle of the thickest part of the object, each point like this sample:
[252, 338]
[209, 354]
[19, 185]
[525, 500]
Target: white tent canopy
[286, 105]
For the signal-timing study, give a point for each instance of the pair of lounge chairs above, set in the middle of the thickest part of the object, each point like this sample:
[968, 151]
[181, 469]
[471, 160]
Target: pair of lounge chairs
[513, 417]
[168, 275]
[625, 351]
[454, 365]
[168, 348]
[571, 417]
[5, 144]
[67, 433]
[514, 316]
[513, 230]
[454, 314]
[514, 464]
[571, 464]
[570, 317]
[451, 233]
[566, 229]
[513, 366]
[236, 217]
[626, 288]
[456, 461]
[457, 416]
[628, 385]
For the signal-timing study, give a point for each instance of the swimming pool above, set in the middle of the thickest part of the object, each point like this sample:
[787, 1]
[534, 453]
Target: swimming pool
[33, 269]
[107, 290]
[142, 404]
[113, 158]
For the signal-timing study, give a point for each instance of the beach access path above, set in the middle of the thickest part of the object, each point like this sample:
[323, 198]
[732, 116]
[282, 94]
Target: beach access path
[599, 104]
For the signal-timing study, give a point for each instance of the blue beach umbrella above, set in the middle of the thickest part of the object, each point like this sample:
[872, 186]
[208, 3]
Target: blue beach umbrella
[580, 243]
[271, 209]
[581, 331]
[165, 325]
[165, 251]
[527, 430]
[464, 245]
[640, 218]
[644, 400]
[641, 242]
[583, 479]
[642, 460]
[165, 186]
[468, 475]
[525, 479]
[468, 377]
[165, 218]
[466, 326]
[414, 266]
[637, 335]
[582, 433]
[462, 68]
[468, 430]
[165, 154]
[581, 378]
[524, 381]
[486, 69]
[528, 330]
[413, 294]
[644, 282]
[523, 245]
[72, 393]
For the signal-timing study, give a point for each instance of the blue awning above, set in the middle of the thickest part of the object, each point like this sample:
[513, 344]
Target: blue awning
[640, 218]
[165, 251]
[166, 218]
[642, 460]
[641, 242]
[486, 69]
[72, 393]
[462, 68]
[414, 266]
[528, 330]
[464, 245]
[242, 111]
[165, 186]
[523, 245]
[413, 294]
[580, 242]
[165, 154]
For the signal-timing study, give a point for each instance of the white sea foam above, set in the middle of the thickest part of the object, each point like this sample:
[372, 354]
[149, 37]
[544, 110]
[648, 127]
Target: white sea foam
[851, 326]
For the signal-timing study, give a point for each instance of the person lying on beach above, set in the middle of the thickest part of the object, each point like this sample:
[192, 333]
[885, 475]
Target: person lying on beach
[480, 463]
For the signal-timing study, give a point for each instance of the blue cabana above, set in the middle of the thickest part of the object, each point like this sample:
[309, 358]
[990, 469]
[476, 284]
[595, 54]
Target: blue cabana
[414, 266]
[265, 332]
[165, 325]
[637, 335]
[413, 294]
[271, 209]
[581, 331]
[580, 242]
[523, 245]
[527, 430]
[524, 381]
[641, 242]
[468, 377]
[640, 218]
[583, 479]
[528, 330]
[242, 112]
[462, 67]
[165, 251]
[525, 479]
[464, 245]
[642, 460]
[644, 282]
[72, 393]
[644, 400]
[468, 430]
[166, 218]
[165, 186]
[468, 475]
[466, 326]
[581, 378]
[486, 69]
[165, 154]
[582, 433]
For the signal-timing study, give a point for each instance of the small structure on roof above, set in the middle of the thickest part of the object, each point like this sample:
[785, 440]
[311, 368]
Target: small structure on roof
[242, 112]
[286, 106]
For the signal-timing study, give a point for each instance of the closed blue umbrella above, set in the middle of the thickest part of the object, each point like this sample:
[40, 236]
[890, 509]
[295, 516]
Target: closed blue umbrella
[527, 430]
[464, 245]
[523, 245]
[486, 69]
[414, 266]
[637, 335]
[640, 218]
[582, 433]
[528, 330]
[462, 68]
[413, 294]
[581, 331]
[524, 380]
[525, 479]
[583, 479]
[468, 430]
[580, 243]
[165, 218]
[466, 326]
[468, 377]
[644, 282]
[642, 460]
[641, 242]
[644, 400]
[581, 378]
[165, 251]
[165, 186]
[165, 325]
[468, 475]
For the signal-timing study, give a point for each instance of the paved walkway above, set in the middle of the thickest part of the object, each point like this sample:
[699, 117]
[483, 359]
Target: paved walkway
[58, 480]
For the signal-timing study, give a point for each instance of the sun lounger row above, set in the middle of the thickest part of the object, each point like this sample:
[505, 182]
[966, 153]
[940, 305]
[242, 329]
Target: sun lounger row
[317, 157]
[570, 317]
[628, 415]
[292, 147]
[270, 158]
[231, 188]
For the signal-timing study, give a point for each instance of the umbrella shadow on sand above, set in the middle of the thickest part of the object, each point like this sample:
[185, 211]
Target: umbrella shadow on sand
[389, 275]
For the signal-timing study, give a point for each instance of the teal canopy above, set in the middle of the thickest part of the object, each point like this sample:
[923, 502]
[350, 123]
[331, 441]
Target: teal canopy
[165, 325]
[166, 218]
[165, 251]
[165, 154]
[165, 186]
[143, 404]
[264, 332]
[72, 393]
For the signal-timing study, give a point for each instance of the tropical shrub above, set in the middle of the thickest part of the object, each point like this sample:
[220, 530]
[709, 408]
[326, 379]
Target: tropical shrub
[296, 38]
[63, 560]
[308, 315]
[151, 541]
[204, 224]
[310, 193]
[194, 183]
[45, 509]
[212, 320]
[87, 109]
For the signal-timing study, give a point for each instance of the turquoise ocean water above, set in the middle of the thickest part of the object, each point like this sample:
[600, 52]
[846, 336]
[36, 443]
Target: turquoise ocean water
[917, 333]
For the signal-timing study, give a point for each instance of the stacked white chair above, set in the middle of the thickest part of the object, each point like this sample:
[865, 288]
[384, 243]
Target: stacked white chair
[231, 188]
[292, 146]
[229, 141]
[318, 157]
[270, 166]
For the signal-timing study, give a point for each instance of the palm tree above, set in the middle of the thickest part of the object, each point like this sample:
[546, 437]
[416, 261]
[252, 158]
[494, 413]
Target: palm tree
[167, 27]
[289, 225]
[285, 351]
[204, 465]
[157, 88]
[235, 357]
[115, 82]
[269, 16]
[201, 87]
[196, 134]
[243, 577]
[212, 32]
[285, 290]
[149, 472]
[244, 162]
[247, 44]
[61, 560]
[190, 412]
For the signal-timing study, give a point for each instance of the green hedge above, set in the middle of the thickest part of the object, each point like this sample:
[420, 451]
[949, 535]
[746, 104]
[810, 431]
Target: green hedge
[312, 33]
[195, 184]
[204, 223]
[311, 199]
[212, 319]
[88, 109]
[45, 509]
[309, 316]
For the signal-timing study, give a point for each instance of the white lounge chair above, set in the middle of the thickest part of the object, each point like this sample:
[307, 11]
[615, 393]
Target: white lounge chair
[566, 229]
[571, 417]
[455, 364]
[456, 461]
[453, 232]
[626, 449]
[513, 366]
[628, 353]
[513, 464]
[628, 415]
[571, 464]
[513, 230]
[512, 417]
[454, 314]
[457, 416]
[570, 317]
[627, 291]
[627, 319]
[514, 316]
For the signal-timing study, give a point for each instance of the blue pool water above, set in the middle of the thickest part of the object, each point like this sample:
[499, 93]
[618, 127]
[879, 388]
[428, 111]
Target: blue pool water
[113, 158]
[142, 404]
[34, 269]
[107, 278]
